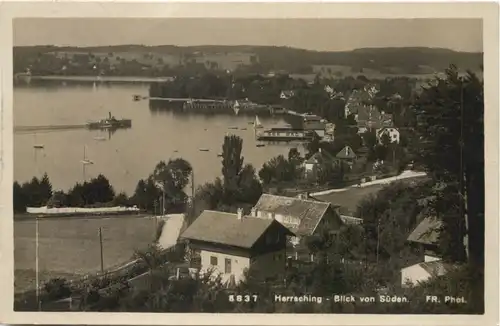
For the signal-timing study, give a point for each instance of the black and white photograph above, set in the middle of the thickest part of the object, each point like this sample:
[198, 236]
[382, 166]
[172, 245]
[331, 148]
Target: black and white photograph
[249, 165]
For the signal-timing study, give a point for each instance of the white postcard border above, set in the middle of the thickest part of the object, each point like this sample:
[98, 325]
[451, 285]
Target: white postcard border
[487, 11]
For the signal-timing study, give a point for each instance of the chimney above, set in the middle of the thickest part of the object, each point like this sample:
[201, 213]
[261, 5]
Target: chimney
[319, 150]
[240, 213]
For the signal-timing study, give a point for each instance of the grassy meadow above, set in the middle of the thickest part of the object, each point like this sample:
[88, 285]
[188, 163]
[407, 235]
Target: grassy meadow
[69, 247]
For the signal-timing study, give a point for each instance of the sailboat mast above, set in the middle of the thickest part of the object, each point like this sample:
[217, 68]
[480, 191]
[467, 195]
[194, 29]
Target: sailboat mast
[84, 163]
[36, 265]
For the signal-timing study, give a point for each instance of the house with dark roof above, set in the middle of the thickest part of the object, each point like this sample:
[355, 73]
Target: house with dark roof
[347, 155]
[424, 242]
[392, 134]
[370, 117]
[227, 244]
[286, 94]
[316, 161]
[424, 238]
[304, 217]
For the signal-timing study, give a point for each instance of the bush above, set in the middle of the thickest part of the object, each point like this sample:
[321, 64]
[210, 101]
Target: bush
[57, 288]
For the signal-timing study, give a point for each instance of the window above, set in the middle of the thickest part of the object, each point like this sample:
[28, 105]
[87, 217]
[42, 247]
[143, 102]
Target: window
[227, 266]
[213, 261]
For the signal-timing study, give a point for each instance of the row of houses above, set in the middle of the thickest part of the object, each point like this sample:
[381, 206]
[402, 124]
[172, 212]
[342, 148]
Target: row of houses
[274, 232]
[367, 116]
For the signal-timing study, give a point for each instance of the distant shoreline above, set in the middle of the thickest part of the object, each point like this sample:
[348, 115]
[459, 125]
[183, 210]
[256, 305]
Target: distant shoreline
[120, 79]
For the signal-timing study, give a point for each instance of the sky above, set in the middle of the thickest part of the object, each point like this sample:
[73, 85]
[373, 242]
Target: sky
[311, 34]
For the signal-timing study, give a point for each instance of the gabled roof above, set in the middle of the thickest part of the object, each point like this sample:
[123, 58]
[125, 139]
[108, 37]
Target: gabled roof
[226, 228]
[346, 153]
[427, 232]
[320, 157]
[288, 92]
[309, 212]
[437, 267]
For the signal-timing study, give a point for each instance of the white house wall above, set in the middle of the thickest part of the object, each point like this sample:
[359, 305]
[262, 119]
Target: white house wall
[428, 258]
[238, 265]
[414, 274]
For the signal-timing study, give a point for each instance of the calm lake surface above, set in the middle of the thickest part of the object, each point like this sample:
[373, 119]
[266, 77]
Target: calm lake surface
[129, 155]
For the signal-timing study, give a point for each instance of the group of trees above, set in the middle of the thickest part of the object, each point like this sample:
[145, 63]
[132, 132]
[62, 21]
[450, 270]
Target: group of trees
[34, 193]
[450, 126]
[239, 185]
[281, 169]
[164, 189]
[39, 192]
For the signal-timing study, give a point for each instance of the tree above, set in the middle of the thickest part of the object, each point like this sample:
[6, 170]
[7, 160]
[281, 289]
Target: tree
[369, 139]
[45, 188]
[98, 190]
[173, 177]
[20, 198]
[277, 169]
[58, 199]
[450, 115]
[76, 196]
[238, 179]
[313, 146]
[232, 163]
[326, 173]
[121, 199]
[146, 194]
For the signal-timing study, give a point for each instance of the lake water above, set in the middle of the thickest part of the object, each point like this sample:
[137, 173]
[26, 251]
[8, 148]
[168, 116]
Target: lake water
[129, 155]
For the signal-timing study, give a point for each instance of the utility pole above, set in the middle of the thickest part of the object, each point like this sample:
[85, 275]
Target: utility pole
[378, 238]
[192, 193]
[100, 242]
[163, 201]
[36, 266]
[463, 213]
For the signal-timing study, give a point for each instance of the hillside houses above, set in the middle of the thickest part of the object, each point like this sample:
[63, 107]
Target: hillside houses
[287, 94]
[367, 116]
[392, 135]
[316, 161]
[424, 243]
[370, 118]
[360, 98]
[228, 244]
[347, 155]
[304, 217]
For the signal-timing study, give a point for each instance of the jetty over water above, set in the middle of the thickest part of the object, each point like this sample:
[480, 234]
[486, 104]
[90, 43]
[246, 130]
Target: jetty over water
[179, 99]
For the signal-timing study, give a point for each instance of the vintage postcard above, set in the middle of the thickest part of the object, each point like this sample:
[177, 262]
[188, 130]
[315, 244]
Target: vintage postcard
[257, 164]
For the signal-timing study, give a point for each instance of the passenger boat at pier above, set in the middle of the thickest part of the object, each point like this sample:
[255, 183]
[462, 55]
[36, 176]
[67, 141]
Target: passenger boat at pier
[207, 105]
[285, 134]
[110, 123]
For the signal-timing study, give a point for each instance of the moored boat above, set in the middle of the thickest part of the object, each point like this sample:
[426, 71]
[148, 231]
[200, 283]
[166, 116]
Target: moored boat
[110, 123]
[257, 123]
[285, 134]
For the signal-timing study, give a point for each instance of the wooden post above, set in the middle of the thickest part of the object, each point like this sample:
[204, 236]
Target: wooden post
[192, 194]
[378, 238]
[100, 242]
[36, 267]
